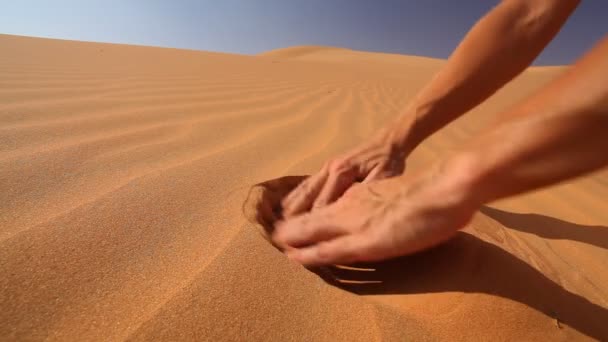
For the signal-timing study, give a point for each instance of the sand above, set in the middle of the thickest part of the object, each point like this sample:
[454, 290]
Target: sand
[127, 213]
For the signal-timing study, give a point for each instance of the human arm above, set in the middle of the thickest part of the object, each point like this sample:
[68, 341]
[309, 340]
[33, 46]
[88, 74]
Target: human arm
[500, 46]
[556, 134]
[559, 133]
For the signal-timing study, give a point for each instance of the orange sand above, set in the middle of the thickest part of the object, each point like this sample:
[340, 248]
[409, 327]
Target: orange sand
[123, 173]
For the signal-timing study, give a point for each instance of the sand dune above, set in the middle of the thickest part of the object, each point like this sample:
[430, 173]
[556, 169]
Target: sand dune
[127, 210]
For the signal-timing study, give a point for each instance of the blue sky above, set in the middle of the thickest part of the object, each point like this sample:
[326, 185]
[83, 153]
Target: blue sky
[424, 27]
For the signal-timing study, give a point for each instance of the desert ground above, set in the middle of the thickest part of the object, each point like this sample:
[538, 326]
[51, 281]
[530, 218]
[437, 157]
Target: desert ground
[134, 184]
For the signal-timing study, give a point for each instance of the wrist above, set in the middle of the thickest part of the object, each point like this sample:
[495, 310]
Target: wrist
[387, 141]
[398, 137]
[458, 182]
[412, 127]
[465, 178]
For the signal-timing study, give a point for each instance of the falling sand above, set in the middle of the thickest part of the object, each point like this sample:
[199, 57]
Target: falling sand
[138, 184]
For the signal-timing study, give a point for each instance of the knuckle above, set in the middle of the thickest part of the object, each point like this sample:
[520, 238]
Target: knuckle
[285, 202]
[306, 229]
[294, 194]
[319, 204]
[344, 176]
[339, 166]
[303, 188]
[325, 252]
[301, 224]
[293, 200]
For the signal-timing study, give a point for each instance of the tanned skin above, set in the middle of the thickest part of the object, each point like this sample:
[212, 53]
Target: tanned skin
[558, 133]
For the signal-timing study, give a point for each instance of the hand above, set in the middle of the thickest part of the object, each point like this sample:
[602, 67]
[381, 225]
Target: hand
[375, 159]
[377, 220]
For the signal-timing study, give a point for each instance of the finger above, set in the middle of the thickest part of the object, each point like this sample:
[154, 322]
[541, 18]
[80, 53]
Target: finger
[301, 199]
[381, 171]
[345, 249]
[336, 185]
[388, 169]
[305, 230]
[376, 174]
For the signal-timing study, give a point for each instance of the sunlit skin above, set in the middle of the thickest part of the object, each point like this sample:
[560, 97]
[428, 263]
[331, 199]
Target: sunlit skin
[361, 207]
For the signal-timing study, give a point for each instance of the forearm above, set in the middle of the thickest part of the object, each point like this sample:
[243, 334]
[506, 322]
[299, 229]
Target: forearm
[559, 133]
[499, 47]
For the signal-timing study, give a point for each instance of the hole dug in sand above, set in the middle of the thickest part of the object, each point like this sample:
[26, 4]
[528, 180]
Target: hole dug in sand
[477, 260]
[263, 208]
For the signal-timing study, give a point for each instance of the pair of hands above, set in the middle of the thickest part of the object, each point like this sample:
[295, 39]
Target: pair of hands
[359, 207]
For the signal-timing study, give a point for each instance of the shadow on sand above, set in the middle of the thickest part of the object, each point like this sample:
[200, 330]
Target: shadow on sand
[549, 227]
[464, 264]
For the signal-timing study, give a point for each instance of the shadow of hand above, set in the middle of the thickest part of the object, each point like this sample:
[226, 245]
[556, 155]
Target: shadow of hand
[464, 264]
[549, 227]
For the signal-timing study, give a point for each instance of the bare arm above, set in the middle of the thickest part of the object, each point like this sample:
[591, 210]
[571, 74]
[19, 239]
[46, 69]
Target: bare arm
[559, 133]
[498, 48]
